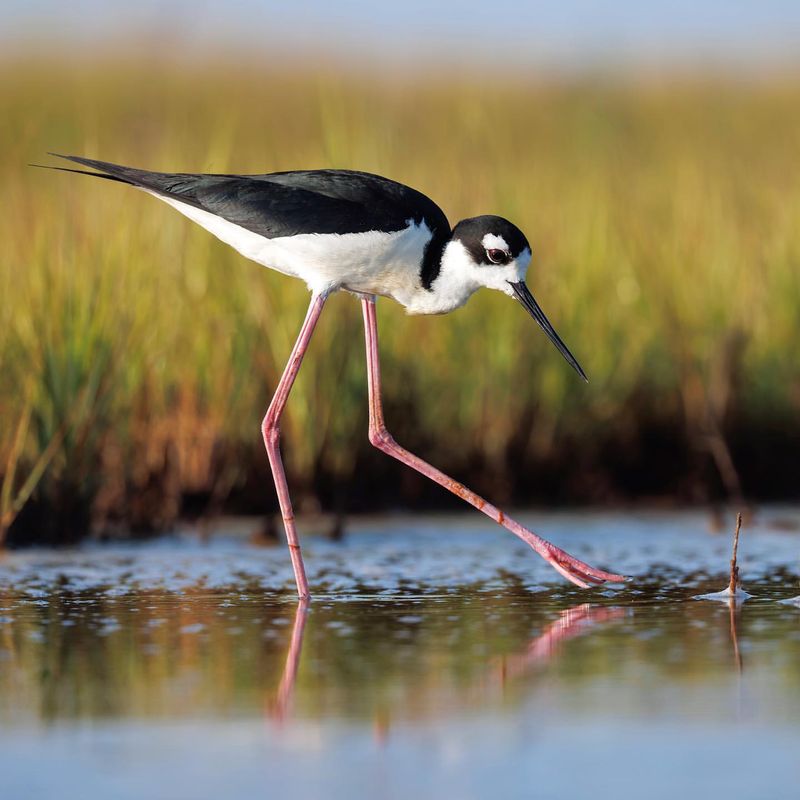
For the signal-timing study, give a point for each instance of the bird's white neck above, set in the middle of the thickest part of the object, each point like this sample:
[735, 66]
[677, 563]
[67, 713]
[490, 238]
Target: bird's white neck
[452, 287]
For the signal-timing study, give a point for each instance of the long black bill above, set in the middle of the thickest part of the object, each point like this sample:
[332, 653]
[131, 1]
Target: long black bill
[523, 294]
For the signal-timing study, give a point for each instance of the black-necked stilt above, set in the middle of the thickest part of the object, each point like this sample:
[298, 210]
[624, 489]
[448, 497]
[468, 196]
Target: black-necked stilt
[368, 235]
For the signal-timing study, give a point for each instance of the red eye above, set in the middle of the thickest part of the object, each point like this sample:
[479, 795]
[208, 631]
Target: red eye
[497, 256]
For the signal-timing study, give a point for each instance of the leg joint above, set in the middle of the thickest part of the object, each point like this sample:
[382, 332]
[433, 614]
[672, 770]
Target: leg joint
[270, 431]
[380, 437]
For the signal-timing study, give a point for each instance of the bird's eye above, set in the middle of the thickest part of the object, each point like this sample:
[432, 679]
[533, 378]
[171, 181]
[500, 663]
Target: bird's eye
[497, 256]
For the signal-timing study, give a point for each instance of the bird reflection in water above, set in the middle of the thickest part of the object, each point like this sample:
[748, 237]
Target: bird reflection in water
[571, 623]
[281, 707]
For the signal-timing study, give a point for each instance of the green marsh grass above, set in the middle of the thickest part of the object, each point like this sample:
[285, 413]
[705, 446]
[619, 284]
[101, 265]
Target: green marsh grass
[665, 222]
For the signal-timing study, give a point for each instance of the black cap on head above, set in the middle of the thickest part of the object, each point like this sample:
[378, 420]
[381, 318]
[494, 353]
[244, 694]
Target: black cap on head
[471, 232]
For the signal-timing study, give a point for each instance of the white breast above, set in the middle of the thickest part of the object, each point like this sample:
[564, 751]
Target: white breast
[373, 262]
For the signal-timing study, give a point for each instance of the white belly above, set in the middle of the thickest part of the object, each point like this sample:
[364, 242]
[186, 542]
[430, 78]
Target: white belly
[373, 262]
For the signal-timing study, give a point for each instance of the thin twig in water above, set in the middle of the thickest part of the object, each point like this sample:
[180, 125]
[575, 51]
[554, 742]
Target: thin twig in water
[734, 581]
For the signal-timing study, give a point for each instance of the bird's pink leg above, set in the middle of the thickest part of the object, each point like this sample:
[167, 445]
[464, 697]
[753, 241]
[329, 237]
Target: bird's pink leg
[271, 432]
[571, 568]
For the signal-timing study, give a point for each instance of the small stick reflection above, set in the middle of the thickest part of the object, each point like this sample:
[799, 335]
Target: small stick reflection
[733, 607]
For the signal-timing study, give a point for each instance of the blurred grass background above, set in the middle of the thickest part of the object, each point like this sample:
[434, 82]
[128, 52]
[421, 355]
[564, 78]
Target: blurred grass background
[138, 353]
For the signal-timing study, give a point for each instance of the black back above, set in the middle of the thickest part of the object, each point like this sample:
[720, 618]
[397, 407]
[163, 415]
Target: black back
[291, 203]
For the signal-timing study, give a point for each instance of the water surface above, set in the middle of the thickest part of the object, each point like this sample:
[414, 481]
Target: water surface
[440, 657]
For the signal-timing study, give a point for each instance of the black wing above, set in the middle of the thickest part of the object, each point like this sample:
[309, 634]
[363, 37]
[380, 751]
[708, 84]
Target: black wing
[289, 203]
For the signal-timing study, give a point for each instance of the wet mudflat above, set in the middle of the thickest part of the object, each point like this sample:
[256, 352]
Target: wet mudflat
[439, 657]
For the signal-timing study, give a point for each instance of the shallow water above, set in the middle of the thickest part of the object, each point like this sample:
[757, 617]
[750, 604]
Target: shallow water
[440, 657]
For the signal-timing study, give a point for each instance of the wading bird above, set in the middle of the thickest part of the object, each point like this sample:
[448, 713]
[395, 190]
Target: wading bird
[370, 236]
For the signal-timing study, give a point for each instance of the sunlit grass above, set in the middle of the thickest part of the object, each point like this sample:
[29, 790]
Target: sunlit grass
[665, 222]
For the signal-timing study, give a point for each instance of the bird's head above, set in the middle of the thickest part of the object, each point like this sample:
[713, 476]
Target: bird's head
[493, 252]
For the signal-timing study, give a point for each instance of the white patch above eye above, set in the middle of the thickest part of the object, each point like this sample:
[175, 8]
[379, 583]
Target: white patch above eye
[493, 242]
